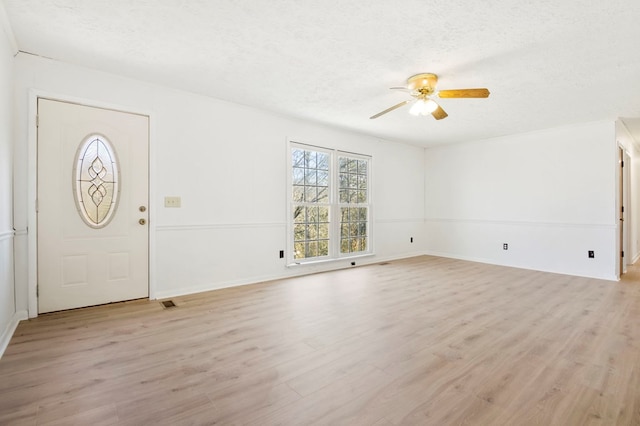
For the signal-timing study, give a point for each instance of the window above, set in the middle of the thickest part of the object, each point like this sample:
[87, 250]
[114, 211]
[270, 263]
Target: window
[96, 184]
[330, 204]
[354, 211]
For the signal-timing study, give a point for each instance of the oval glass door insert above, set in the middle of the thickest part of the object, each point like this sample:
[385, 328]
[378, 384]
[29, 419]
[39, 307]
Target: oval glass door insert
[96, 178]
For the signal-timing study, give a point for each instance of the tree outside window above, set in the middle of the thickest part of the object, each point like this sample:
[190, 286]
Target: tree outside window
[329, 198]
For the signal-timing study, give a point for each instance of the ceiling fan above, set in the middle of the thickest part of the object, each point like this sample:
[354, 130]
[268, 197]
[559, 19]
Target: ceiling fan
[423, 88]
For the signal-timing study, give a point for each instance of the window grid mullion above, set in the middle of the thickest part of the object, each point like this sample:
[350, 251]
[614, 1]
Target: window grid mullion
[318, 233]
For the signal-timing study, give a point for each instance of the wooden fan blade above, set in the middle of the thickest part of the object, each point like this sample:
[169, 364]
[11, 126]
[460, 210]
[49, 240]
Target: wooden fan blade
[439, 113]
[390, 109]
[464, 93]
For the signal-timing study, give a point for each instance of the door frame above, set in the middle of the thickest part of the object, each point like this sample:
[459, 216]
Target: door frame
[624, 187]
[32, 188]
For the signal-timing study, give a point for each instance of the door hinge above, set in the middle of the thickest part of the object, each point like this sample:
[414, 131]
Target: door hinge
[37, 121]
[622, 254]
[37, 291]
[622, 209]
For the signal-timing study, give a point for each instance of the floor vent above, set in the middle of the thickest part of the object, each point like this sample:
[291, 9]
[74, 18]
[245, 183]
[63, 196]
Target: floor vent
[383, 263]
[168, 304]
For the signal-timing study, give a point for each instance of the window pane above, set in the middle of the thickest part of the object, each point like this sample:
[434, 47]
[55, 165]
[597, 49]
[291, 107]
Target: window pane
[309, 236]
[312, 232]
[353, 229]
[344, 215]
[310, 159]
[299, 233]
[310, 177]
[352, 166]
[344, 230]
[362, 167]
[310, 194]
[323, 194]
[323, 178]
[343, 164]
[323, 161]
[297, 157]
[298, 194]
[323, 214]
[353, 176]
[323, 231]
[298, 214]
[312, 214]
[298, 176]
[312, 249]
[344, 180]
[353, 181]
[362, 181]
[323, 248]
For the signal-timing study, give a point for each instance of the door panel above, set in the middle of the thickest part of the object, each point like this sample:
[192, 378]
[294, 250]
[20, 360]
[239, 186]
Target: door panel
[78, 264]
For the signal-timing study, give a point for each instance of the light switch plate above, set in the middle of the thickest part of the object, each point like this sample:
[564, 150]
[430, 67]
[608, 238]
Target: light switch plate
[172, 201]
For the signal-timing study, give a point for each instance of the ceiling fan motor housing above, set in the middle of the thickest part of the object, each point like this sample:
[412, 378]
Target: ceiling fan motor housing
[424, 84]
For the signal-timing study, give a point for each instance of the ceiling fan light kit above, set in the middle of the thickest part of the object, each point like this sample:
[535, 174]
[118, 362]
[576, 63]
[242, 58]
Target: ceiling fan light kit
[423, 87]
[423, 107]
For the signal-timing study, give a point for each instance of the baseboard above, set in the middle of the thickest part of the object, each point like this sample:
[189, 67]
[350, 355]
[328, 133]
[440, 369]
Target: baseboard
[528, 268]
[7, 334]
[301, 270]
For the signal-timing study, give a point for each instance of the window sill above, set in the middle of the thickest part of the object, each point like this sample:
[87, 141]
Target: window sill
[331, 260]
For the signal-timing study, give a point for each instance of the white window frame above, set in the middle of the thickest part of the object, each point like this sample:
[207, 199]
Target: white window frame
[334, 205]
[337, 205]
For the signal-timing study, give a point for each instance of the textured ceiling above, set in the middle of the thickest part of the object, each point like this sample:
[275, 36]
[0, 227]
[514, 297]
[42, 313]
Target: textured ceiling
[547, 63]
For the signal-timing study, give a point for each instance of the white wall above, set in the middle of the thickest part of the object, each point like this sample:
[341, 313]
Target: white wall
[8, 316]
[228, 164]
[550, 195]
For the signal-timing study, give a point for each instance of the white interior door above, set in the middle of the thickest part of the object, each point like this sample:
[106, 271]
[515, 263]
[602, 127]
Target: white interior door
[93, 237]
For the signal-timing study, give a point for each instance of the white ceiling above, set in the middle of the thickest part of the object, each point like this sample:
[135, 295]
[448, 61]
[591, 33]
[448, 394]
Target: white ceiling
[547, 63]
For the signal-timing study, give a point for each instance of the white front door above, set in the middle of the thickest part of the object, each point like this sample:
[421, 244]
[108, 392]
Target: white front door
[93, 192]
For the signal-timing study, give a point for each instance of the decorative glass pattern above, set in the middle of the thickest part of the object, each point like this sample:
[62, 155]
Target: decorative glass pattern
[96, 181]
[310, 203]
[354, 198]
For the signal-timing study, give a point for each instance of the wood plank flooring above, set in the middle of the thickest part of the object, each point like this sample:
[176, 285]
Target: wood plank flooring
[421, 341]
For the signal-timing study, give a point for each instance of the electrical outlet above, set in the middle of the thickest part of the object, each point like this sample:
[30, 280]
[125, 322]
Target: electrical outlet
[505, 246]
[172, 201]
[591, 254]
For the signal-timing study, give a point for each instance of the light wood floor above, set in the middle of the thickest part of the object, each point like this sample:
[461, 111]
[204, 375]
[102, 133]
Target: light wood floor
[422, 341]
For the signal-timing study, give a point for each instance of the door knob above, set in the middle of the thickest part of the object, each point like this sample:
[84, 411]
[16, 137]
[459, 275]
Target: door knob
[142, 208]
[142, 221]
